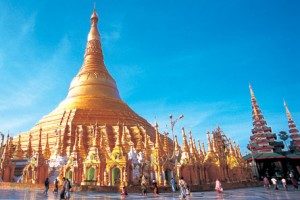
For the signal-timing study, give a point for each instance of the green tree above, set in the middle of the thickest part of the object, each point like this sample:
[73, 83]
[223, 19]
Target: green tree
[283, 136]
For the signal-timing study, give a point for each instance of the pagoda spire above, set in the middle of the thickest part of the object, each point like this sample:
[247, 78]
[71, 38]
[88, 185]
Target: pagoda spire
[18, 152]
[81, 142]
[157, 137]
[203, 149]
[185, 148]
[29, 147]
[166, 142]
[294, 132]
[262, 136]
[47, 152]
[177, 147]
[191, 144]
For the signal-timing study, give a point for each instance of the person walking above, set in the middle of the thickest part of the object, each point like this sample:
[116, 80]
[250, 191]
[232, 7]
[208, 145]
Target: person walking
[55, 186]
[274, 181]
[67, 189]
[173, 184]
[218, 186]
[155, 190]
[182, 185]
[284, 184]
[46, 186]
[294, 182]
[266, 183]
[62, 193]
[144, 189]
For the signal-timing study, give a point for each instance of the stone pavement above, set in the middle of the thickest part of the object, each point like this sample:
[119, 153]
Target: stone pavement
[245, 193]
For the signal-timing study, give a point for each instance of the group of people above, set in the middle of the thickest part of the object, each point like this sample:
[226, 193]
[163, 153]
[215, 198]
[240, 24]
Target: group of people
[66, 186]
[267, 184]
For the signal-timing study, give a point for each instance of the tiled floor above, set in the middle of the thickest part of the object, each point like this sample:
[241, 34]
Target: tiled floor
[247, 193]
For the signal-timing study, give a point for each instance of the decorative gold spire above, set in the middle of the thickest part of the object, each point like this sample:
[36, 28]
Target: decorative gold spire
[157, 137]
[199, 149]
[40, 143]
[58, 144]
[18, 152]
[29, 147]
[166, 143]
[81, 142]
[209, 144]
[191, 144]
[203, 149]
[184, 148]
[47, 152]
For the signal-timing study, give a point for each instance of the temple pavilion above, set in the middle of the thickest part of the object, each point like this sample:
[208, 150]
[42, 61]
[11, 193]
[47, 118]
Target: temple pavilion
[94, 138]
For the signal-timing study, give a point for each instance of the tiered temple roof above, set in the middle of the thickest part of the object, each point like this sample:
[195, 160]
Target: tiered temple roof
[262, 140]
[294, 132]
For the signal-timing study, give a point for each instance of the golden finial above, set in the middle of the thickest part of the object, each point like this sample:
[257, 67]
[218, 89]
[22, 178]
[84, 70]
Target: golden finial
[94, 33]
[287, 111]
[251, 91]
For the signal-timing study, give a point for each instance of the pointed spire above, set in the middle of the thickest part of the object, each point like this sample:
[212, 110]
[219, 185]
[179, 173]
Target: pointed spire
[18, 152]
[191, 143]
[262, 138]
[185, 148]
[199, 149]
[81, 142]
[209, 143]
[288, 114]
[29, 147]
[294, 132]
[40, 142]
[47, 152]
[203, 149]
[157, 136]
[251, 92]
[166, 142]
[177, 147]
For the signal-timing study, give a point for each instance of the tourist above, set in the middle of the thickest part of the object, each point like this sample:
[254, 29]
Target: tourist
[187, 190]
[124, 191]
[284, 184]
[294, 181]
[62, 193]
[182, 185]
[173, 184]
[46, 186]
[218, 186]
[67, 189]
[266, 183]
[55, 186]
[274, 181]
[155, 190]
[144, 189]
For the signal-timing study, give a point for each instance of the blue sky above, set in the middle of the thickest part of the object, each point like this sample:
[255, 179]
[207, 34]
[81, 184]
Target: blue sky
[173, 56]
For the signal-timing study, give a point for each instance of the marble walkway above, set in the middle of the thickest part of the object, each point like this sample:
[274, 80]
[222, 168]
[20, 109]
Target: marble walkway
[257, 193]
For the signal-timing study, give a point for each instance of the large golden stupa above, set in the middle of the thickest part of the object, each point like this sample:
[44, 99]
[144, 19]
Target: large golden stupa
[93, 97]
[94, 138]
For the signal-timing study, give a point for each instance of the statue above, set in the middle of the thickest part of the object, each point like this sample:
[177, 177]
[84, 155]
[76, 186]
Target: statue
[140, 157]
[132, 155]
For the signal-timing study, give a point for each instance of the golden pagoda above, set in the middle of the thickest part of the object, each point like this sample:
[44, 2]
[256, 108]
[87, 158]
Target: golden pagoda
[95, 139]
[93, 97]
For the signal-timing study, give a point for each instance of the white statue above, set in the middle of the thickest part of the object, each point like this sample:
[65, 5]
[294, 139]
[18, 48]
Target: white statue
[132, 155]
[140, 157]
